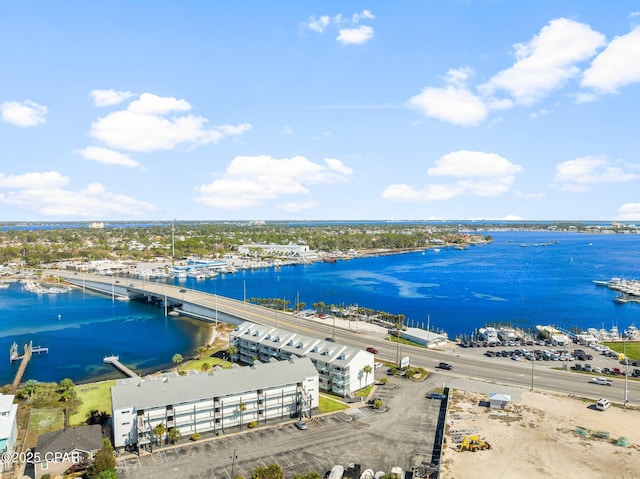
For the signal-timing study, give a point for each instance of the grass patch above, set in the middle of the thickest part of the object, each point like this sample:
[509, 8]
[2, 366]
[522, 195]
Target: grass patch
[329, 404]
[196, 364]
[395, 339]
[632, 348]
[364, 392]
[42, 421]
[91, 396]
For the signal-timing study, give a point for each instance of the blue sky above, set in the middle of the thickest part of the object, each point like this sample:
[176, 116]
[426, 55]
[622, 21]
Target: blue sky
[207, 110]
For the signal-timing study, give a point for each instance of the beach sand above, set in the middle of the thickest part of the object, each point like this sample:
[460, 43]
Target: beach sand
[537, 438]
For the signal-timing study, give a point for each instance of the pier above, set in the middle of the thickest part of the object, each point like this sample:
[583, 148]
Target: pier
[13, 356]
[115, 361]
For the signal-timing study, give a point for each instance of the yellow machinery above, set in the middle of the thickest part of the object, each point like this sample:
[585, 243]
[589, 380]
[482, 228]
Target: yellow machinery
[473, 444]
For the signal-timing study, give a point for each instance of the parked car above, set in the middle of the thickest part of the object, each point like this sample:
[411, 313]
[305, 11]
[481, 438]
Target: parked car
[300, 425]
[372, 350]
[445, 366]
[603, 404]
[601, 381]
[330, 340]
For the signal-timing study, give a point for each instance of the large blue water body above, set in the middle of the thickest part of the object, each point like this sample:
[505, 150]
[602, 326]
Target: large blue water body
[458, 291]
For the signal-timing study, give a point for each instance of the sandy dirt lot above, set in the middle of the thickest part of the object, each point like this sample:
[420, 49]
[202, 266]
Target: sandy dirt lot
[537, 439]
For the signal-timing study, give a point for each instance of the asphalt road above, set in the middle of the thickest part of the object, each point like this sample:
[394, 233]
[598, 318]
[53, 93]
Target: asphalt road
[469, 362]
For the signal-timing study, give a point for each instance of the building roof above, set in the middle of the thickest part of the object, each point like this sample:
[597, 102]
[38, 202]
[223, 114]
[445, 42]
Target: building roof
[80, 438]
[499, 397]
[298, 344]
[156, 392]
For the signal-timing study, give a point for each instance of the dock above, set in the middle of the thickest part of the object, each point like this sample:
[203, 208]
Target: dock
[115, 361]
[24, 360]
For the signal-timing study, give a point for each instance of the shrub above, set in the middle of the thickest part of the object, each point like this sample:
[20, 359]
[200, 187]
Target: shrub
[252, 424]
[195, 436]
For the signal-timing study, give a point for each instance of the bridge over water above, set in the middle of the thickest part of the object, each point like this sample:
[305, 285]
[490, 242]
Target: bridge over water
[196, 304]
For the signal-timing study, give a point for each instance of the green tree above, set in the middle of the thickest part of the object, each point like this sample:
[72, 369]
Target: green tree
[29, 388]
[105, 459]
[310, 475]
[273, 471]
[242, 407]
[377, 404]
[205, 367]
[200, 350]
[177, 359]
[366, 369]
[159, 431]
[67, 384]
[231, 350]
[174, 435]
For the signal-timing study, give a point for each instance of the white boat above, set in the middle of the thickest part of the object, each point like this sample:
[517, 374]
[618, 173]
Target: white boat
[367, 474]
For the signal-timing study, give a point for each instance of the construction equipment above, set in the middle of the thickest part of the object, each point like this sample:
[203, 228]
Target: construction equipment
[474, 444]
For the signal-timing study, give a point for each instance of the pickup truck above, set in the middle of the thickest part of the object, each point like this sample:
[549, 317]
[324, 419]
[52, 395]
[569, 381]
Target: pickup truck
[445, 366]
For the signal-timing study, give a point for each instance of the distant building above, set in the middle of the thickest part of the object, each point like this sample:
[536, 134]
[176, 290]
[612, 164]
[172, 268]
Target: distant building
[96, 225]
[340, 367]
[58, 450]
[217, 401]
[425, 338]
[288, 249]
[8, 428]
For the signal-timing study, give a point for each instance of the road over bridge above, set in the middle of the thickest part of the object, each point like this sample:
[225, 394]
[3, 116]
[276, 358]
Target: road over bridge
[211, 307]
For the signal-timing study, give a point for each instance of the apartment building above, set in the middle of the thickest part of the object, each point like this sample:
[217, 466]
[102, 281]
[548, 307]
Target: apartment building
[8, 428]
[341, 368]
[225, 399]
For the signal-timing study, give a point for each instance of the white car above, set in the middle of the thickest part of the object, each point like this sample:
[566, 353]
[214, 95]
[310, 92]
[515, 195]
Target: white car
[601, 381]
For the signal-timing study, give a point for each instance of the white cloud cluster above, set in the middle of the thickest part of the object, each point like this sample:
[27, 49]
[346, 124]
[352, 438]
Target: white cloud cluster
[25, 114]
[617, 66]
[350, 31]
[107, 156]
[253, 180]
[109, 97]
[477, 173]
[45, 193]
[546, 63]
[579, 174]
[145, 125]
[629, 212]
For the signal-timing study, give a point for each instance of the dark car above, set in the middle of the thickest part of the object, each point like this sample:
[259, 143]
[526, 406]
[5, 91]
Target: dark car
[372, 350]
[445, 366]
[331, 340]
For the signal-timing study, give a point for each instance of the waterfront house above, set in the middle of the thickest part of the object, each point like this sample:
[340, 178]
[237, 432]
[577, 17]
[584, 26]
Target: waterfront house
[341, 368]
[8, 428]
[59, 450]
[225, 399]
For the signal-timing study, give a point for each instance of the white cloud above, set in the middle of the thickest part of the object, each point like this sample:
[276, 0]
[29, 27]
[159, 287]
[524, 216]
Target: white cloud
[473, 164]
[585, 98]
[107, 156]
[144, 126]
[253, 180]
[109, 97]
[318, 24]
[547, 61]
[577, 175]
[629, 212]
[617, 66]
[27, 113]
[355, 36]
[44, 194]
[480, 174]
[529, 196]
[451, 104]
[454, 103]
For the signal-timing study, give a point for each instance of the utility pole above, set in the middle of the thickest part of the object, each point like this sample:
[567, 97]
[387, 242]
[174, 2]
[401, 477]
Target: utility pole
[233, 464]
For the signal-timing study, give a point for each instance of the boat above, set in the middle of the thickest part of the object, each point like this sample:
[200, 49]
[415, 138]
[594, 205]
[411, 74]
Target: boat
[436, 250]
[620, 300]
[598, 282]
[367, 474]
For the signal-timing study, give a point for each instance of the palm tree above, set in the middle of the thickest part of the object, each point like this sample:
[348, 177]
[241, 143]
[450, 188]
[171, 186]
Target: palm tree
[177, 359]
[205, 367]
[174, 435]
[231, 350]
[200, 350]
[159, 431]
[242, 407]
[366, 369]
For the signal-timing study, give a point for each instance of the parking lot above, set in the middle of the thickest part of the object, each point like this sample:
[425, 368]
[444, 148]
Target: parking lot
[402, 436]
